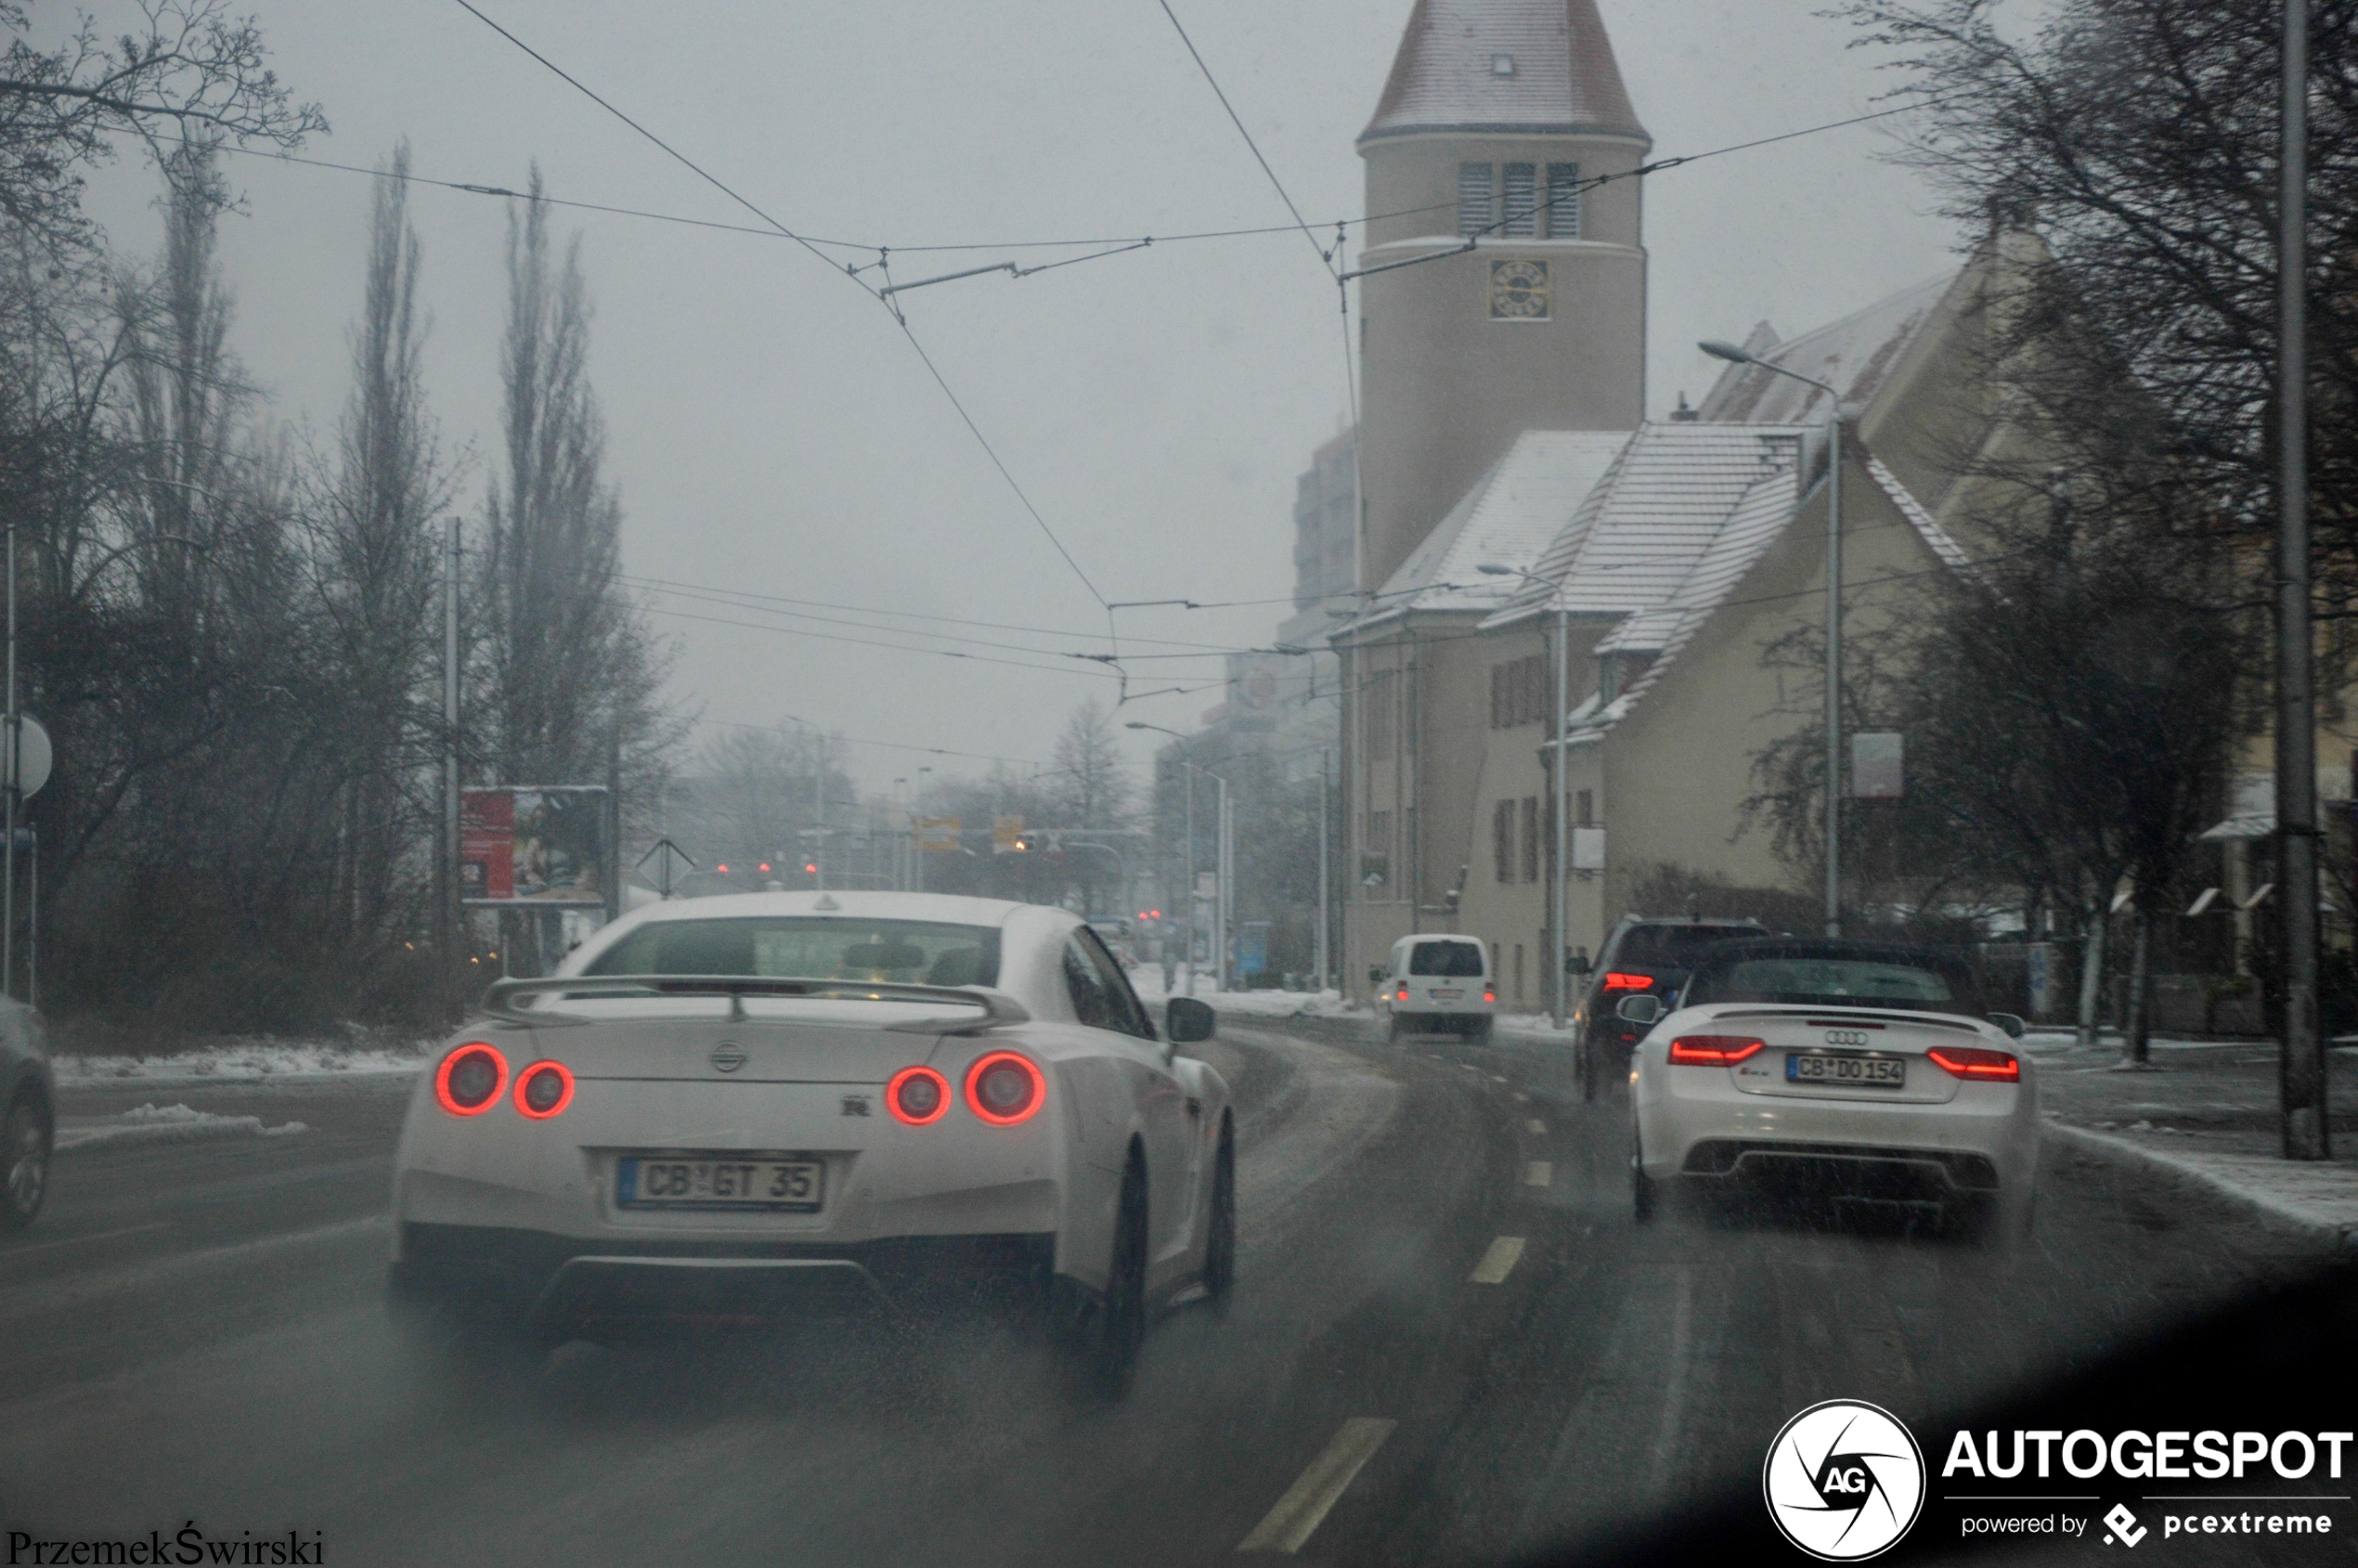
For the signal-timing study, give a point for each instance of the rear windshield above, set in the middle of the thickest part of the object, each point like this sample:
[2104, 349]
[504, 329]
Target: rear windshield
[1834, 981]
[809, 948]
[1674, 947]
[1460, 959]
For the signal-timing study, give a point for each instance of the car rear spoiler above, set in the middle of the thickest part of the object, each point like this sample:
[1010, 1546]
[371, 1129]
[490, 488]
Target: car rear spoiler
[996, 1006]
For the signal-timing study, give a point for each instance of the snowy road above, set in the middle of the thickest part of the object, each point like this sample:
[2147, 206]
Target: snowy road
[1448, 1342]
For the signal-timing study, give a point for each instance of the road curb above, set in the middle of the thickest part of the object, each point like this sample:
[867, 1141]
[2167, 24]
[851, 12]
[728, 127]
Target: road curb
[2266, 1208]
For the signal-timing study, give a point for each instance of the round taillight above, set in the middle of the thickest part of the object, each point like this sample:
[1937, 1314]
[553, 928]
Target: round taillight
[918, 1096]
[543, 1090]
[1004, 1088]
[470, 1079]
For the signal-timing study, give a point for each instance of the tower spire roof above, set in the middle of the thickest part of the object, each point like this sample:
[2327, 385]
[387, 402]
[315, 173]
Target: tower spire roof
[1512, 66]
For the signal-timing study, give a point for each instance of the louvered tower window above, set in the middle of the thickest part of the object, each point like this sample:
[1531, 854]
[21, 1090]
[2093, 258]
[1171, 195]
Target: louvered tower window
[1563, 201]
[1523, 201]
[1474, 199]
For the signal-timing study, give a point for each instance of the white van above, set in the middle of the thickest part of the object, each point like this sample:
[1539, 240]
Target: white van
[1442, 981]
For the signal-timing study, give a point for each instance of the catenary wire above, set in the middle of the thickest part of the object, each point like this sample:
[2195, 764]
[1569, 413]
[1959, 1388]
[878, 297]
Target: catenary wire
[900, 317]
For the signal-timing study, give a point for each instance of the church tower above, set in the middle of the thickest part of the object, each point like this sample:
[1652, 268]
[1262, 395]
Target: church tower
[1496, 115]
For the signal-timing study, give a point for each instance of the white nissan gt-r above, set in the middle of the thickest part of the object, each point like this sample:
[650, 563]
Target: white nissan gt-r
[781, 1106]
[1866, 1069]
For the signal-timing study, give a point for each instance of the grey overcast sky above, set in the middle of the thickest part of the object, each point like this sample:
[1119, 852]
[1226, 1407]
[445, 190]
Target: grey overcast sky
[773, 432]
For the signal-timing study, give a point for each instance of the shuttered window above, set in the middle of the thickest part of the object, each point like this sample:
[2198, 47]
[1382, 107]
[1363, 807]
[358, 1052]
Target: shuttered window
[1502, 839]
[1531, 838]
[1563, 201]
[1523, 201]
[1377, 715]
[1474, 199]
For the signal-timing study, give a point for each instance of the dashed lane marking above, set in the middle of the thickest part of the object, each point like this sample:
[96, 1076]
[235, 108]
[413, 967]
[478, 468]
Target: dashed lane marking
[1540, 1173]
[1497, 1263]
[1539, 1128]
[1305, 1504]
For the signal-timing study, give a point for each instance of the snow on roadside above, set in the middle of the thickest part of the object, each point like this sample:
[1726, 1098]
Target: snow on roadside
[173, 1123]
[244, 1060]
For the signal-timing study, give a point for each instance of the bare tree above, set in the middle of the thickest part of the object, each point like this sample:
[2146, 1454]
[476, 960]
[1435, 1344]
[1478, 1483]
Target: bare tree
[191, 73]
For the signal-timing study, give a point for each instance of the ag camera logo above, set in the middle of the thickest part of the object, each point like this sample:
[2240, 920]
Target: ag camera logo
[1844, 1481]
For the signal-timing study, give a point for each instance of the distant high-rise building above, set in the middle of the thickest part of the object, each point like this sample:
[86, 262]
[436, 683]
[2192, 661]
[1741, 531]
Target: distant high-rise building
[1498, 120]
[1325, 533]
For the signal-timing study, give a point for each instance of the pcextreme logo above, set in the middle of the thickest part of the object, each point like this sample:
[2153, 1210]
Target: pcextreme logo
[1843, 1480]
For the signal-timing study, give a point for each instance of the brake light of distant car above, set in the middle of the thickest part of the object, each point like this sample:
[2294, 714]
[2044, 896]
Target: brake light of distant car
[1004, 1088]
[1490, 996]
[470, 1079]
[918, 1096]
[1713, 1050]
[1403, 995]
[1969, 1061]
[1616, 980]
[543, 1090]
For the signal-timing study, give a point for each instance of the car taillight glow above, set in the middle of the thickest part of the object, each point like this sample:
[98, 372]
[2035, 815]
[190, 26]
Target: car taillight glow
[917, 1097]
[543, 1090]
[1004, 1088]
[1403, 995]
[1715, 1050]
[1615, 980]
[1490, 996]
[1969, 1061]
[470, 1079]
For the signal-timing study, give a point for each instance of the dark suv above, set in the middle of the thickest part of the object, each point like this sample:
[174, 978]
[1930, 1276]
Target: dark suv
[1645, 956]
[27, 1117]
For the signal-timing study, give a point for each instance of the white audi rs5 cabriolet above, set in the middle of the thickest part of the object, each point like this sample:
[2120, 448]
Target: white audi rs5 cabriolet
[776, 1107]
[1861, 1070]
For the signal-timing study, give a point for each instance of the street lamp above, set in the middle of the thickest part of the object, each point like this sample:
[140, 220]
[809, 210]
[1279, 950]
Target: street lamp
[1223, 855]
[1735, 356]
[1557, 902]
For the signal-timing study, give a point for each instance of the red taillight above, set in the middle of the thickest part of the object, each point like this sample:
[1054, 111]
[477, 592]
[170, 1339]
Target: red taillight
[918, 1096]
[1713, 1050]
[1618, 982]
[543, 1090]
[1973, 1061]
[1403, 995]
[1490, 996]
[1004, 1088]
[470, 1079]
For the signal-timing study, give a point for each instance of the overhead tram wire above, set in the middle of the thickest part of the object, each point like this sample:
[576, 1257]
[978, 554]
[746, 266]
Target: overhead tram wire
[860, 740]
[747, 599]
[1202, 651]
[1325, 258]
[899, 317]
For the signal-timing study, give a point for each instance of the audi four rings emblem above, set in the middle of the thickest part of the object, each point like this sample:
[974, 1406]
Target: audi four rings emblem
[727, 1057]
[1845, 1037]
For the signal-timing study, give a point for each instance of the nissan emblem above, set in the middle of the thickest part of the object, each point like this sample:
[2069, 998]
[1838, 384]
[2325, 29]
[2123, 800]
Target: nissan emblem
[727, 1057]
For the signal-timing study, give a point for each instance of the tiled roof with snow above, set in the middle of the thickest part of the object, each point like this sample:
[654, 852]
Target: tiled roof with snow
[1754, 524]
[1652, 518]
[1559, 74]
[1506, 519]
[1856, 354]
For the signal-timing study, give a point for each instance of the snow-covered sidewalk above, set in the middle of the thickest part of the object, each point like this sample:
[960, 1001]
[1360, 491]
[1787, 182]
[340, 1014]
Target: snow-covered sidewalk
[2204, 1112]
[173, 1123]
[245, 1059]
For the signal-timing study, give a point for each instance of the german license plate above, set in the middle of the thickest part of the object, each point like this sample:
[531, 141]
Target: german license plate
[1447, 993]
[795, 1184]
[1845, 1070]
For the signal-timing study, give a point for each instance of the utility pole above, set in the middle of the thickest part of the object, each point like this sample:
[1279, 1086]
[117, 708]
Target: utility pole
[15, 738]
[1559, 904]
[1326, 889]
[451, 915]
[1224, 908]
[2306, 1122]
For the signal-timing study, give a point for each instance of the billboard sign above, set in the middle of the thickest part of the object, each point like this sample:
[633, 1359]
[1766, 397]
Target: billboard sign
[1878, 766]
[939, 836]
[545, 847]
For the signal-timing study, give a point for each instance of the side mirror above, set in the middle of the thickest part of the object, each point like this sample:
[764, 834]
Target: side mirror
[1577, 963]
[1186, 1020]
[2013, 1024]
[1375, 974]
[1641, 1010]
